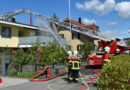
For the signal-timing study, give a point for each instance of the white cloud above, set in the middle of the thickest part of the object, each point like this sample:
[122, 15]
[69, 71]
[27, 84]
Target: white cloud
[129, 30]
[117, 33]
[123, 9]
[112, 23]
[87, 21]
[97, 7]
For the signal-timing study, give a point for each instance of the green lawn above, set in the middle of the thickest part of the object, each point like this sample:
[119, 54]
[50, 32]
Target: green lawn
[22, 74]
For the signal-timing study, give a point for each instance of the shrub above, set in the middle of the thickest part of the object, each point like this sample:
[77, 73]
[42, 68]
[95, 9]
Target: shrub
[13, 74]
[116, 74]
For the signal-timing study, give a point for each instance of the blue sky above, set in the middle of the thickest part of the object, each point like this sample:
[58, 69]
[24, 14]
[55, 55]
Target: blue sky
[112, 16]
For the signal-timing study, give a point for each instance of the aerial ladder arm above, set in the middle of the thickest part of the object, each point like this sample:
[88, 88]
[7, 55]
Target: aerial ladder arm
[82, 30]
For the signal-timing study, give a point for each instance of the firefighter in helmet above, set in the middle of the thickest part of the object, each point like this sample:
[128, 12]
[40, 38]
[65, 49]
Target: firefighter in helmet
[117, 52]
[67, 61]
[106, 55]
[13, 19]
[112, 41]
[74, 65]
[69, 53]
[127, 52]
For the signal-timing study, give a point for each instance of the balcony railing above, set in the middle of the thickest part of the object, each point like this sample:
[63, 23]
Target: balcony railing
[39, 39]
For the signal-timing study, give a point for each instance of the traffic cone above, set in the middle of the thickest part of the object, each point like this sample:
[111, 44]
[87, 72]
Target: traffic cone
[1, 83]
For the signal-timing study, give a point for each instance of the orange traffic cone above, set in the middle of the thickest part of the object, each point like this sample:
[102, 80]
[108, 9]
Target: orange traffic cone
[1, 83]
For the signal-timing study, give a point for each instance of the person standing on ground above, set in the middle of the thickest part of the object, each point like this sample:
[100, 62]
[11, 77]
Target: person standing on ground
[106, 56]
[74, 65]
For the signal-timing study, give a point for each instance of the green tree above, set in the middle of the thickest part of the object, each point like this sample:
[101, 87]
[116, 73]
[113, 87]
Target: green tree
[128, 42]
[31, 53]
[19, 59]
[86, 49]
[55, 16]
[52, 54]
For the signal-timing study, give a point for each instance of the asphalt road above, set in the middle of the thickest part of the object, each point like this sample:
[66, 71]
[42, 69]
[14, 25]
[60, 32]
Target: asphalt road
[64, 86]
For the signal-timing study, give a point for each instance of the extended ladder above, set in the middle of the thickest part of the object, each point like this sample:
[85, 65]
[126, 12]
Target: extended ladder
[82, 30]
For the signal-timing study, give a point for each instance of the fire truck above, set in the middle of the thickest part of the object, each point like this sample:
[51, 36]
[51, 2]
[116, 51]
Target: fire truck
[98, 58]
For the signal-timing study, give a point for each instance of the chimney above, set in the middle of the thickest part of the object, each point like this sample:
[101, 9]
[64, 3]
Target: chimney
[80, 20]
[31, 22]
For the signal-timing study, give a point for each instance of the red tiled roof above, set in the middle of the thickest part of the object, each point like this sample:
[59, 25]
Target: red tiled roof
[92, 27]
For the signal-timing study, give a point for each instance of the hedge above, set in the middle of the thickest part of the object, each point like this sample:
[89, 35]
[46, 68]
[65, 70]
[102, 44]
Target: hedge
[116, 74]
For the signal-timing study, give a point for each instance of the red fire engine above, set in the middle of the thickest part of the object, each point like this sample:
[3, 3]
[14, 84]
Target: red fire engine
[98, 58]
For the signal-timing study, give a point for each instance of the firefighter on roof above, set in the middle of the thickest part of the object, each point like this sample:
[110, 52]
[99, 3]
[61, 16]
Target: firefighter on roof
[74, 65]
[13, 19]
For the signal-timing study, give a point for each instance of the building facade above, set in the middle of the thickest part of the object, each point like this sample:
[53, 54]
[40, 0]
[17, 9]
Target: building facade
[15, 35]
[78, 38]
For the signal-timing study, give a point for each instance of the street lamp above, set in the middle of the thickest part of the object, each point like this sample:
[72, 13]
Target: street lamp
[70, 27]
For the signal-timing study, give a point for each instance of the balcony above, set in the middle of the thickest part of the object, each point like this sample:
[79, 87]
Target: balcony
[28, 41]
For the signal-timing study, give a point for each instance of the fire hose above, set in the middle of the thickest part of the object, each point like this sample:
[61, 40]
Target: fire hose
[50, 78]
[85, 84]
[92, 80]
[49, 86]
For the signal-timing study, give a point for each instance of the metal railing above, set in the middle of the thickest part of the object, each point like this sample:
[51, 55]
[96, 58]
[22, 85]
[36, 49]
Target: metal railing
[38, 39]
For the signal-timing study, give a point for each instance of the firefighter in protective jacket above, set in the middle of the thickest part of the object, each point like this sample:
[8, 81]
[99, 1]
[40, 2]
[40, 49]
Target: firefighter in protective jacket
[74, 65]
[117, 52]
[67, 61]
[106, 55]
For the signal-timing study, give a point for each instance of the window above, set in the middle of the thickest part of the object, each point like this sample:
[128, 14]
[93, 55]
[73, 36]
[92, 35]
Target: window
[75, 36]
[20, 34]
[6, 32]
[78, 35]
[61, 35]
